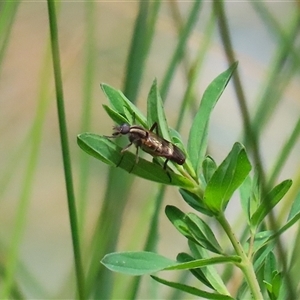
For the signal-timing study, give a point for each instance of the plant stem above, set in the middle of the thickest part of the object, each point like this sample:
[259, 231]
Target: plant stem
[246, 265]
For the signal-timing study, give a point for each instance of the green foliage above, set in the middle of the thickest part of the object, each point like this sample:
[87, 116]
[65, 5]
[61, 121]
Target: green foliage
[197, 142]
[226, 179]
[267, 262]
[208, 192]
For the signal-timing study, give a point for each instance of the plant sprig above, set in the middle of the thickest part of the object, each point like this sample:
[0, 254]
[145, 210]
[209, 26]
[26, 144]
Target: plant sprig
[207, 188]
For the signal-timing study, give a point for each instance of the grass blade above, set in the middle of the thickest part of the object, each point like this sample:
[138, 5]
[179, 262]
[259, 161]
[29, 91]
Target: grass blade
[65, 148]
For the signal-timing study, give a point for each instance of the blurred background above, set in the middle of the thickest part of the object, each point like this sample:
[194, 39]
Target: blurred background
[126, 45]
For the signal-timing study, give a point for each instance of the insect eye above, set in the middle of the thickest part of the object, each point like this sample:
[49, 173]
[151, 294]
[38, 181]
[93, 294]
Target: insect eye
[124, 128]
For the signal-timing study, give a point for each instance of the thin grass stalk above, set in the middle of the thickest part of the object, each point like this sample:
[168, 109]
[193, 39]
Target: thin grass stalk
[278, 78]
[87, 100]
[65, 148]
[178, 53]
[105, 237]
[136, 57]
[248, 131]
[275, 29]
[33, 140]
[294, 261]
[151, 25]
[178, 22]
[284, 154]
[151, 240]
[15, 292]
[7, 17]
[194, 72]
[224, 31]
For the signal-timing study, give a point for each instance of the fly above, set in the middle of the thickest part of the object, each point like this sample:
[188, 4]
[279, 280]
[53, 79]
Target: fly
[149, 142]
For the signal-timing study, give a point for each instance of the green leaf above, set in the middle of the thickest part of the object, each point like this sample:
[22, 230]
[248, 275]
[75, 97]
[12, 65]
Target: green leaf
[140, 263]
[209, 167]
[118, 101]
[178, 219]
[295, 210]
[199, 263]
[198, 273]
[293, 217]
[197, 142]
[115, 116]
[245, 193]
[192, 290]
[136, 263]
[155, 112]
[195, 202]
[261, 239]
[115, 97]
[260, 256]
[193, 228]
[202, 233]
[277, 283]
[227, 178]
[105, 150]
[210, 272]
[270, 201]
[272, 278]
[270, 267]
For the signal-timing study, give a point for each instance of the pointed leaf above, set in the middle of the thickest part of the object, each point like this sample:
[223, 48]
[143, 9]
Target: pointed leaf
[295, 210]
[192, 290]
[245, 193]
[105, 150]
[178, 219]
[118, 100]
[155, 112]
[115, 97]
[197, 142]
[270, 267]
[209, 167]
[270, 201]
[200, 263]
[136, 263]
[293, 217]
[195, 202]
[115, 116]
[210, 272]
[198, 273]
[140, 263]
[202, 233]
[227, 178]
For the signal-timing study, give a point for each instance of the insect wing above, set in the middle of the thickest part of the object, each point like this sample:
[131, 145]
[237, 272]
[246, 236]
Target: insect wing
[156, 145]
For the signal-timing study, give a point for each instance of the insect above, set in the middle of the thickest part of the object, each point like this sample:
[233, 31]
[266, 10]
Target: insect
[149, 142]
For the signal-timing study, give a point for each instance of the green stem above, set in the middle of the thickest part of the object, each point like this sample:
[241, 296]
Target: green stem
[246, 265]
[65, 147]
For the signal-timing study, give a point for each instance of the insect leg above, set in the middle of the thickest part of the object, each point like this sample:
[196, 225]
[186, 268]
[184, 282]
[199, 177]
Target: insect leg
[123, 150]
[120, 160]
[115, 135]
[165, 164]
[126, 147]
[154, 126]
[136, 158]
[165, 168]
